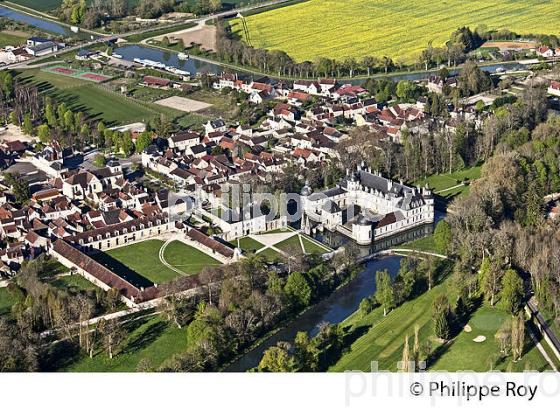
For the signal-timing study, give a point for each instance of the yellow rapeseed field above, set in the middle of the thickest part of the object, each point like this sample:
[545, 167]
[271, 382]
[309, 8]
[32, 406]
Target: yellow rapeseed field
[399, 29]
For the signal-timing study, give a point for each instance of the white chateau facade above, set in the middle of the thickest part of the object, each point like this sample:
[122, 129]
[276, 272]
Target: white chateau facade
[366, 207]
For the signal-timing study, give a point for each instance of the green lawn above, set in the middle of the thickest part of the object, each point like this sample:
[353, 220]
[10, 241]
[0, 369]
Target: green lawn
[464, 354]
[74, 283]
[444, 182]
[151, 339]
[271, 255]
[290, 244]
[7, 300]
[381, 339]
[247, 244]
[423, 244]
[140, 261]
[188, 259]
[313, 247]
[12, 38]
[39, 5]
[96, 102]
[401, 30]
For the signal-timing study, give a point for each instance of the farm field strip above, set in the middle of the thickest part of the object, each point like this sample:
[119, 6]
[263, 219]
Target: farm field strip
[400, 30]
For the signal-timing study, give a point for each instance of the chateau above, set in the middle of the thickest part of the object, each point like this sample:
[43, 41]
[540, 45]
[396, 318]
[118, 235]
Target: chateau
[365, 206]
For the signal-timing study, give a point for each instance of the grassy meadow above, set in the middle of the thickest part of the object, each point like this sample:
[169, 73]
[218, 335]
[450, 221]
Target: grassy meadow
[12, 38]
[356, 28]
[95, 101]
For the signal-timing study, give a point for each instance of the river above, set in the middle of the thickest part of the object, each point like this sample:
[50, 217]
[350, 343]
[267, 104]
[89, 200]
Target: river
[344, 301]
[334, 309]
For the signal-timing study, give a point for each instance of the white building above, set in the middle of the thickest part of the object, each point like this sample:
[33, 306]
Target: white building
[366, 207]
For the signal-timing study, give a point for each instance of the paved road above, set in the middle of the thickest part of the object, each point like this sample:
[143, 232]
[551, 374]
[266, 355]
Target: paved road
[114, 37]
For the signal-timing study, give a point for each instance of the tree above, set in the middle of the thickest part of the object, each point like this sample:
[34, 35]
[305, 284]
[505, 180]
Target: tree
[27, 126]
[512, 291]
[277, 359]
[384, 293]
[442, 236]
[503, 336]
[165, 41]
[298, 290]
[112, 335]
[44, 133]
[517, 337]
[490, 280]
[20, 187]
[99, 161]
[143, 141]
[405, 361]
[127, 146]
[441, 317]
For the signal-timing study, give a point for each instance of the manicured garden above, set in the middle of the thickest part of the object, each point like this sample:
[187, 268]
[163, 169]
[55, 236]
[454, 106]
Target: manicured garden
[140, 263]
[453, 184]
[247, 244]
[187, 259]
[310, 246]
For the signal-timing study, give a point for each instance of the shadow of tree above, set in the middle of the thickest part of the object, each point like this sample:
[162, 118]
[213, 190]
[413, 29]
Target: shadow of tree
[145, 338]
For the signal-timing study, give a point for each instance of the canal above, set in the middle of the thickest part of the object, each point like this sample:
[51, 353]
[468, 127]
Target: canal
[195, 66]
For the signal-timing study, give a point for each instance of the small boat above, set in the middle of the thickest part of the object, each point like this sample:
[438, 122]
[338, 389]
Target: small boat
[183, 56]
[118, 56]
[500, 70]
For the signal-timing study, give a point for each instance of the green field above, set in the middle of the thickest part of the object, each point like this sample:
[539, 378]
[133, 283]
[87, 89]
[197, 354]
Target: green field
[381, 339]
[39, 5]
[426, 244]
[447, 185]
[464, 354]
[12, 38]
[398, 29]
[140, 261]
[73, 283]
[151, 339]
[247, 244]
[96, 102]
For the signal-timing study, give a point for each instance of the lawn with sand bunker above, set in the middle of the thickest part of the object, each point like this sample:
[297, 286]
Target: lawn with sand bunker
[478, 349]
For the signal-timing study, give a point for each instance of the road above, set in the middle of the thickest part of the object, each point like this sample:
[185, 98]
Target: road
[113, 37]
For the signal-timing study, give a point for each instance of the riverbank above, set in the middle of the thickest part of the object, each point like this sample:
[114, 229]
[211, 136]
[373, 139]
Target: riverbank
[412, 75]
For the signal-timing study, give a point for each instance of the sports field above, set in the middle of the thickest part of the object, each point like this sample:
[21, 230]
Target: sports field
[140, 263]
[81, 74]
[96, 102]
[397, 29]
